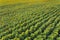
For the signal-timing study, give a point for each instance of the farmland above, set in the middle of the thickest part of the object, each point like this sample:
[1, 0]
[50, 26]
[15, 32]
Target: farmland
[30, 21]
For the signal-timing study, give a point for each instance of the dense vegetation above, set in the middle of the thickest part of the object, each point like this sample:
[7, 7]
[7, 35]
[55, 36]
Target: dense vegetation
[30, 22]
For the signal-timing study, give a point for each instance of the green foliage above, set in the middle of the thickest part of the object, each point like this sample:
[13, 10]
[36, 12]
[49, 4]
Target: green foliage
[30, 21]
[28, 38]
